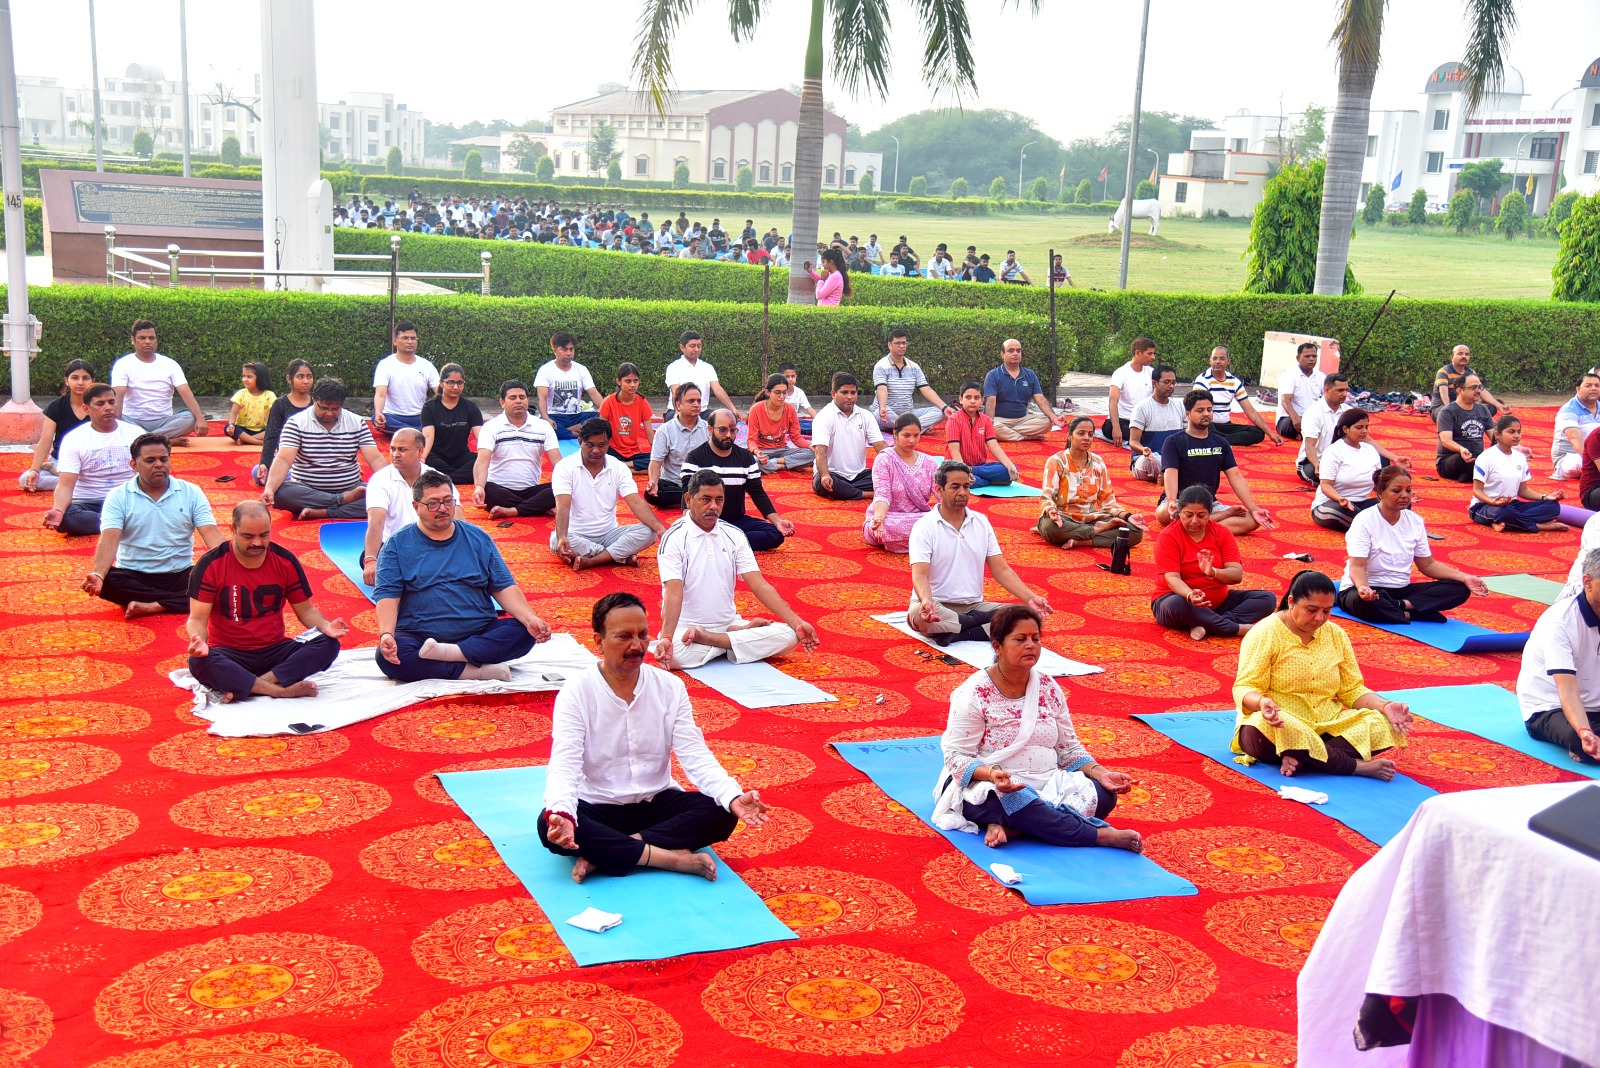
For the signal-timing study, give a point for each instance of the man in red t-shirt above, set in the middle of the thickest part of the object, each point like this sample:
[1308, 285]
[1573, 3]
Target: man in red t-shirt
[971, 439]
[237, 643]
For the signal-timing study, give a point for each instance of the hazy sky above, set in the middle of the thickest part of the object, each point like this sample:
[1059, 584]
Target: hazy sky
[1071, 68]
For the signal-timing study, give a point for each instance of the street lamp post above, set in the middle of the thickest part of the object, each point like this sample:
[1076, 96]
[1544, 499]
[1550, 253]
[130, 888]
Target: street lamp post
[94, 72]
[20, 419]
[1133, 152]
[183, 64]
[896, 141]
[1020, 157]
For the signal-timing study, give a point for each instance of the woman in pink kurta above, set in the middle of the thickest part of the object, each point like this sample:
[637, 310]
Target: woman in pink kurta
[902, 482]
[833, 284]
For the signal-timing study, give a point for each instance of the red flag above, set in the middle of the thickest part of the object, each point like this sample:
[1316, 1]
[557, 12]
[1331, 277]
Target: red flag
[1103, 172]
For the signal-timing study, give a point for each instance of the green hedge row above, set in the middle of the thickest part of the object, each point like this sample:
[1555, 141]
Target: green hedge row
[33, 222]
[214, 332]
[981, 206]
[343, 182]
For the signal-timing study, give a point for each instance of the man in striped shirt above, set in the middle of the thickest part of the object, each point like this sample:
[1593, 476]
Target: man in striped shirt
[1225, 388]
[317, 472]
[512, 448]
[740, 472]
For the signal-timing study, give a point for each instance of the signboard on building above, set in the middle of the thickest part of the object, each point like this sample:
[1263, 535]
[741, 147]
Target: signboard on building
[1447, 78]
[171, 207]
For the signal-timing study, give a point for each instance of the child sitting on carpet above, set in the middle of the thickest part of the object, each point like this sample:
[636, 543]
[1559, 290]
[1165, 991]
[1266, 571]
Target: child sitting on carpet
[247, 419]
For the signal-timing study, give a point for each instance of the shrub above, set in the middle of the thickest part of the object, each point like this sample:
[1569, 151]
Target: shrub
[1417, 211]
[546, 170]
[1577, 269]
[1377, 201]
[865, 185]
[33, 225]
[230, 152]
[918, 187]
[144, 144]
[680, 176]
[1397, 218]
[471, 166]
[613, 171]
[1560, 209]
[1513, 218]
[1463, 210]
[1284, 233]
[959, 188]
[997, 189]
[393, 163]
[745, 180]
[1146, 190]
[1085, 192]
[1040, 186]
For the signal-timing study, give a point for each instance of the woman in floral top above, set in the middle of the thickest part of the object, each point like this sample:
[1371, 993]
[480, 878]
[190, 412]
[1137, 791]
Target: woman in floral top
[1077, 506]
[1012, 760]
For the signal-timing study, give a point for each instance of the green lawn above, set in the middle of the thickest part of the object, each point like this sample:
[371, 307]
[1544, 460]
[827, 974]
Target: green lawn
[1207, 257]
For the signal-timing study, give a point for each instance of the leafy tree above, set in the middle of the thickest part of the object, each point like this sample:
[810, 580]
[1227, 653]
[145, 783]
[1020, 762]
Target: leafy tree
[1417, 212]
[997, 188]
[1377, 201]
[472, 166]
[438, 137]
[393, 163]
[1577, 269]
[1145, 190]
[1308, 135]
[1040, 186]
[1085, 192]
[1463, 210]
[1560, 211]
[526, 153]
[230, 151]
[918, 187]
[1484, 178]
[745, 180]
[1161, 133]
[1513, 219]
[975, 145]
[959, 189]
[144, 144]
[613, 171]
[865, 185]
[602, 145]
[547, 169]
[680, 176]
[1282, 255]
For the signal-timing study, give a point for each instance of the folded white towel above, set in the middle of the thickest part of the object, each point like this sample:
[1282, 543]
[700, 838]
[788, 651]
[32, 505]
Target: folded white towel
[592, 919]
[1005, 873]
[1300, 793]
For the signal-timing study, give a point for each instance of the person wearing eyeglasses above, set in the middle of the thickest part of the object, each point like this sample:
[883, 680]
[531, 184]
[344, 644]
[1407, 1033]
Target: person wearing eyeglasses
[1464, 424]
[389, 496]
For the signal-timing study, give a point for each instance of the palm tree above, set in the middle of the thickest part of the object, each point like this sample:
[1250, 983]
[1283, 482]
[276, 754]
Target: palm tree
[860, 54]
[1356, 36]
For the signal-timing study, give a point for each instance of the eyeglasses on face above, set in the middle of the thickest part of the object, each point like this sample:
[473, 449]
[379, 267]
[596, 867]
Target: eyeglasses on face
[442, 505]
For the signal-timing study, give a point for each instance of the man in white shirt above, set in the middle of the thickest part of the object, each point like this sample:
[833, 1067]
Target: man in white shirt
[1227, 389]
[950, 547]
[689, 367]
[588, 486]
[1154, 420]
[561, 385]
[1321, 423]
[93, 462]
[701, 560]
[1130, 384]
[389, 501]
[145, 381]
[1298, 388]
[1575, 420]
[512, 450]
[401, 383]
[609, 797]
[841, 435]
[1558, 687]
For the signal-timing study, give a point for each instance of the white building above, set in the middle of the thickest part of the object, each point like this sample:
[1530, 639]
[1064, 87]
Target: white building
[1223, 170]
[363, 129]
[714, 133]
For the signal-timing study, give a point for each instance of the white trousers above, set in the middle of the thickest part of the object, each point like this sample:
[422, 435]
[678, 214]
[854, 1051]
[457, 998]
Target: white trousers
[621, 541]
[1569, 466]
[749, 645]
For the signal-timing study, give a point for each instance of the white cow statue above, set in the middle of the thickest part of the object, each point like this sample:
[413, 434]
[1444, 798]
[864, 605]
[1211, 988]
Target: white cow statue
[1142, 209]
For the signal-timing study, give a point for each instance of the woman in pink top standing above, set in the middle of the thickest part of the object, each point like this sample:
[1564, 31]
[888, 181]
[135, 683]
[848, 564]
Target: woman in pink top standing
[834, 281]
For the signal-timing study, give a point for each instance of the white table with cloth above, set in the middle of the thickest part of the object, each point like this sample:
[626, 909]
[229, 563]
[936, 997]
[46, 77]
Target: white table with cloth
[1491, 925]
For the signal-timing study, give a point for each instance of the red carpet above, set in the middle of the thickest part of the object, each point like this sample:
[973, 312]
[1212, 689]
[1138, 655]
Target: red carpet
[169, 898]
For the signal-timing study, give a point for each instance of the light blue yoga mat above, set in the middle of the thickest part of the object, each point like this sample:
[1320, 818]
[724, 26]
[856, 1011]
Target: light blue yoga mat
[1526, 587]
[1372, 808]
[568, 446]
[908, 769]
[758, 684]
[1491, 713]
[664, 913]
[343, 542]
[1451, 636]
[1013, 489]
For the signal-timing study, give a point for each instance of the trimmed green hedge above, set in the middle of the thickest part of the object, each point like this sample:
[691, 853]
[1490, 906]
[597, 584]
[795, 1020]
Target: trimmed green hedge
[214, 332]
[33, 222]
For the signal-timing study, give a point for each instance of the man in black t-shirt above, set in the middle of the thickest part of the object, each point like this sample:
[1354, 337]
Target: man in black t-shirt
[1201, 457]
[740, 471]
[1463, 423]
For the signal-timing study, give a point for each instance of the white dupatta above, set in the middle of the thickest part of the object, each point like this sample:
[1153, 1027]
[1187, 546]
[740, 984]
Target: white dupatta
[947, 814]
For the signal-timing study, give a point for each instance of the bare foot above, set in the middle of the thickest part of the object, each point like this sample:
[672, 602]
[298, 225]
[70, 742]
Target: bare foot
[1377, 768]
[1552, 528]
[632, 561]
[1245, 628]
[1072, 543]
[312, 513]
[1197, 633]
[1289, 766]
[759, 621]
[502, 512]
[995, 836]
[578, 563]
[354, 495]
[135, 609]
[581, 870]
[304, 688]
[1119, 839]
[701, 864]
[227, 698]
[179, 442]
[690, 636]
[1498, 528]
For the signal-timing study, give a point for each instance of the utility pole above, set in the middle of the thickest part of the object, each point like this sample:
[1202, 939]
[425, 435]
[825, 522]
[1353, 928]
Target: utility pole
[1020, 157]
[94, 73]
[1133, 152]
[896, 141]
[20, 419]
[183, 63]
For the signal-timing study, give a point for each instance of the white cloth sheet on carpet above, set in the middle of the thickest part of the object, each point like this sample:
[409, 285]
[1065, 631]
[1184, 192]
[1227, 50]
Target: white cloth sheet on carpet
[981, 654]
[353, 689]
[1465, 901]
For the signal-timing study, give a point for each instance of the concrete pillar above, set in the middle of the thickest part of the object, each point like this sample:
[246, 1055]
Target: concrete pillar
[297, 226]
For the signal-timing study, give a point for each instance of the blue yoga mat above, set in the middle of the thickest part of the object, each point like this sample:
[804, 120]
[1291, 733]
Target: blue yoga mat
[343, 542]
[758, 684]
[568, 446]
[664, 913]
[1373, 809]
[1491, 713]
[1013, 489]
[1451, 636]
[907, 770]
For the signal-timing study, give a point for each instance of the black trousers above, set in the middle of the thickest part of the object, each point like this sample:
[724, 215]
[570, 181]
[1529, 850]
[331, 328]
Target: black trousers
[1591, 501]
[761, 535]
[1238, 434]
[460, 473]
[845, 488]
[234, 671]
[82, 517]
[1342, 756]
[637, 462]
[667, 495]
[1552, 726]
[1041, 820]
[1429, 601]
[1287, 429]
[169, 589]
[1105, 428]
[1454, 466]
[673, 819]
[1307, 473]
[1238, 608]
[530, 500]
[1331, 516]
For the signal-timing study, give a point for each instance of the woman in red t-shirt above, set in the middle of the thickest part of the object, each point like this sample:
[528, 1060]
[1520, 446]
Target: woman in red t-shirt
[774, 429]
[629, 415]
[1196, 561]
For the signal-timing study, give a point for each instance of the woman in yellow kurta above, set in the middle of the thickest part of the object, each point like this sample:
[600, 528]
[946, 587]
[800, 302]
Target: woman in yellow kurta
[1302, 702]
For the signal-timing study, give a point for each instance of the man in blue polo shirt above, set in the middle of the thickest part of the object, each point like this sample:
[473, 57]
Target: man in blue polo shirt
[1007, 391]
[1575, 420]
[438, 581]
[147, 529]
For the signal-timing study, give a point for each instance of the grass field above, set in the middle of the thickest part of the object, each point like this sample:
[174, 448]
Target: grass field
[1207, 257]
